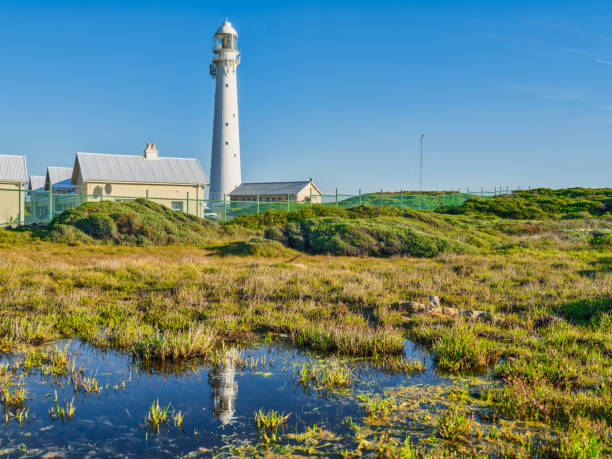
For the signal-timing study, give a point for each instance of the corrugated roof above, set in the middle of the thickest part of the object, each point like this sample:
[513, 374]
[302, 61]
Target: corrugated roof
[13, 169]
[136, 169]
[37, 182]
[262, 189]
[59, 174]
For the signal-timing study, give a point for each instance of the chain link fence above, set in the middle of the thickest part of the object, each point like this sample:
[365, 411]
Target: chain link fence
[25, 207]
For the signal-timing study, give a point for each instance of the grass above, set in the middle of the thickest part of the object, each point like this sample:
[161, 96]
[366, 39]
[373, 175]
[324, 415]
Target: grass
[377, 408]
[545, 286]
[328, 374]
[455, 425]
[157, 416]
[270, 420]
[62, 411]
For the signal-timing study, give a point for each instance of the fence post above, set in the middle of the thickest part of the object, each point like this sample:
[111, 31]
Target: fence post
[19, 221]
[401, 202]
[310, 198]
[188, 202]
[336, 196]
[481, 192]
[50, 204]
[288, 203]
[224, 209]
[359, 196]
[507, 190]
[257, 204]
[381, 200]
[147, 195]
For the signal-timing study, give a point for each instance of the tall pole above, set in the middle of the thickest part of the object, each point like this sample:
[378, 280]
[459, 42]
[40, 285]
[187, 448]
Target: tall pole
[421, 171]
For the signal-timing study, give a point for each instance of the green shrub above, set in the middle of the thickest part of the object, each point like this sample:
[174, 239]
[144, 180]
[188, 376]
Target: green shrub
[360, 237]
[601, 239]
[140, 222]
[256, 247]
[540, 204]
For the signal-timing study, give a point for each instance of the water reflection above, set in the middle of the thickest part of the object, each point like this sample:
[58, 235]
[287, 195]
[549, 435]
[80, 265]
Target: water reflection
[224, 390]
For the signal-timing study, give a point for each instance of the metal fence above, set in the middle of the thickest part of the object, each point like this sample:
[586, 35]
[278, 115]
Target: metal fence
[24, 207]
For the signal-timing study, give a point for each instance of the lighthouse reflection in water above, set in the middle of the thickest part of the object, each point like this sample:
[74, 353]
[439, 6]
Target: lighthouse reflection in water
[224, 388]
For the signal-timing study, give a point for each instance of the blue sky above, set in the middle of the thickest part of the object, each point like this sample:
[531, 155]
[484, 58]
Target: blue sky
[507, 93]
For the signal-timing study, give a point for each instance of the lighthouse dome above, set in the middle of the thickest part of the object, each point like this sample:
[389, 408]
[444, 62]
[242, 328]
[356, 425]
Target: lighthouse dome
[226, 28]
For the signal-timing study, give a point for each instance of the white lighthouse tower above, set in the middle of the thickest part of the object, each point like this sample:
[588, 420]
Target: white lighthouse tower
[225, 161]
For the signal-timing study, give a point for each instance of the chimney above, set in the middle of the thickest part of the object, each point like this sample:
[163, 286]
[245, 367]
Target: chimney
[151, 151]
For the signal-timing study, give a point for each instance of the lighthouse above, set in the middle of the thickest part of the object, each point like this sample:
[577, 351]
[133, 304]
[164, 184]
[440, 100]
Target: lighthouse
[225, 159]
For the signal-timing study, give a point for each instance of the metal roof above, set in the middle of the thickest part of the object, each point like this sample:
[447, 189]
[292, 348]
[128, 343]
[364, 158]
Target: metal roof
[99, 167]
[226, 27]
[262, 189]
[37, 182]
[59, 174]
[13, 169]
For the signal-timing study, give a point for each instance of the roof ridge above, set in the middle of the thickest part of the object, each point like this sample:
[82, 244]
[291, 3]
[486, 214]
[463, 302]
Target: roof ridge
[134, 156]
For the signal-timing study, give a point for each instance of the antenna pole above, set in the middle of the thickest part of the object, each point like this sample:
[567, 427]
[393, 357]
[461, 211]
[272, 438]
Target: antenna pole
[421, 171]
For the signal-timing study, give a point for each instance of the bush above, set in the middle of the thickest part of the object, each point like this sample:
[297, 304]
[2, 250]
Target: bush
[138, 222]
[359, 237]
[274, 217]
[256, 247]
[540, 204]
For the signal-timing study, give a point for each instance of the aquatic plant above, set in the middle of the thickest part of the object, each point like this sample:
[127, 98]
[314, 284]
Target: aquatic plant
[177, 418]
[326, 374]
[377, 407]
[454, 425]
[270, 420]
[12, 394]
[156, 416]
[62, 411]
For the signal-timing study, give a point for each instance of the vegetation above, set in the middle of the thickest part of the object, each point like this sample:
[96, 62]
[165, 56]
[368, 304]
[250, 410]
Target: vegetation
[157, 416]
[361, 237]
[544, 284]
[541, 203]
[139, 222]
[330, 374]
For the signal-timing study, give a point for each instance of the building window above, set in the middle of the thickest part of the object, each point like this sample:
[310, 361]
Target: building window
[177, 205]
[226, 142]
[227, 124]
[226, 85]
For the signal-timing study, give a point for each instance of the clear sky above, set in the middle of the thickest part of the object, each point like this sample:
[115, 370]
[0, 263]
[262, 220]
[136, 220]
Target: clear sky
[513, 93]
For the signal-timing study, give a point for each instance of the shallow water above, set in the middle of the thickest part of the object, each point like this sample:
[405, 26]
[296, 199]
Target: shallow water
[218, 405]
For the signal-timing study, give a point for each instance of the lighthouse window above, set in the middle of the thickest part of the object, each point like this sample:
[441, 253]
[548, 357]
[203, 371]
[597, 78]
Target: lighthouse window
[227, 124]
[226, 85]
[226, 142]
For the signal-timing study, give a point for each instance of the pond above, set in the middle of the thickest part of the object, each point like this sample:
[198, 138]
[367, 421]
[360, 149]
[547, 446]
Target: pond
[218, 403]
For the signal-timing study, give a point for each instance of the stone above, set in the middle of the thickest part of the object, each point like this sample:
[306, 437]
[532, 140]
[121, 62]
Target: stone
[412, 307]
[434, 300]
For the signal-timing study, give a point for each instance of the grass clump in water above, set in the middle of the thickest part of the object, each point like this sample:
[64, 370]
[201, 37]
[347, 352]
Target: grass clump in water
[174, 347]
[270, 420]
[377, 408]
[455, 425]
[156, 416]
[329, 374]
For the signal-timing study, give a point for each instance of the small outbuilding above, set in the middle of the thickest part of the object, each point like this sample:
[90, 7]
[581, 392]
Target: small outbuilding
[177, 183]
[13, 183]
[304, 191]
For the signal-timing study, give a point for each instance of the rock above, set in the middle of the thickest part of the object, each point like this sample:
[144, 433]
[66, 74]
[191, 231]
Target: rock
[434, 300]
[413, 307]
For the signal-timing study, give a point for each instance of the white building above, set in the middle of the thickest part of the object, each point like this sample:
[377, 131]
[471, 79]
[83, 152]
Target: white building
[225, 173]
